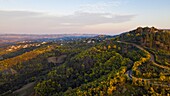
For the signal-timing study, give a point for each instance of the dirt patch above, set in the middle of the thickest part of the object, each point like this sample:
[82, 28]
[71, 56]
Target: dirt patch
[61, 58]
[52, 60]
[26, 90]
[57, 60]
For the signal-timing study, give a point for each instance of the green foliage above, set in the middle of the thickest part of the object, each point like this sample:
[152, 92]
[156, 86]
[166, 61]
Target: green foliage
[149, 37]
[87, 66]
[103, 68]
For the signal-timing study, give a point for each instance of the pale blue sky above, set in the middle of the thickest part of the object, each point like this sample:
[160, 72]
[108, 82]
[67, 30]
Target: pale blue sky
[81, 16]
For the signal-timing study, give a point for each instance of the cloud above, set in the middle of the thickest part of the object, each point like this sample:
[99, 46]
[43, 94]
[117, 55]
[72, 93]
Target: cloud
[18, 14]
[37, 21]
[84, 18]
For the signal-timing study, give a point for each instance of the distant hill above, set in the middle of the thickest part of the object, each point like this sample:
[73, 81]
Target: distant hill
[9, 38]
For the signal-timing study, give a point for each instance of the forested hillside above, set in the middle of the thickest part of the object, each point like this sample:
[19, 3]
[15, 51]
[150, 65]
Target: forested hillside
[134, 63]
[149, 37]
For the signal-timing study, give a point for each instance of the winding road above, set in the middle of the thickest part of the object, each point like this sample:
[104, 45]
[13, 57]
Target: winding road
[152, 59]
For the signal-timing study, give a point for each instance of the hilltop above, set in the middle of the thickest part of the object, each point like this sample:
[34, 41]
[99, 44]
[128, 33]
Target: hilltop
[149, 37]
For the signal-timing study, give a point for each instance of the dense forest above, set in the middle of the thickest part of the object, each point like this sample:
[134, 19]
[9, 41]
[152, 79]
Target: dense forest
[134, 63]
[149, 37]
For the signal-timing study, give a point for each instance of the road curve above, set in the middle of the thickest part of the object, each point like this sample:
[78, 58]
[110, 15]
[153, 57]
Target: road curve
[152, 59]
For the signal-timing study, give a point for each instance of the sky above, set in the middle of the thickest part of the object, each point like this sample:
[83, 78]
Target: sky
[81, 16]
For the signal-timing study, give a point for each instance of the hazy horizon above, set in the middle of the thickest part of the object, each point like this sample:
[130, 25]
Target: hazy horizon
[110, 17]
